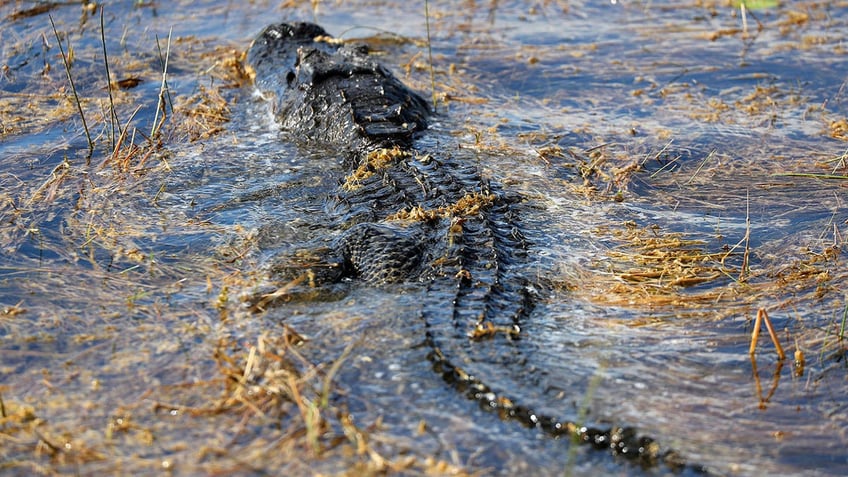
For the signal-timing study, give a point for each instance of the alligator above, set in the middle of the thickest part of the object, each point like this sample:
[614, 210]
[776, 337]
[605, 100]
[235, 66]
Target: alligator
[407, 216]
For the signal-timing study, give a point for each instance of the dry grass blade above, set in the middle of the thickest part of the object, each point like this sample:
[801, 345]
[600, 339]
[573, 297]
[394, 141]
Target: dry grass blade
[809, 175]
[762, 317]
[331, 374]
[51, 185]
[743, 272]
[700, 166]
[74, 89]
[163, 90]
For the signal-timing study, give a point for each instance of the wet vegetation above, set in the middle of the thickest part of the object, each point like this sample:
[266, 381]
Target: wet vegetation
[686, 162]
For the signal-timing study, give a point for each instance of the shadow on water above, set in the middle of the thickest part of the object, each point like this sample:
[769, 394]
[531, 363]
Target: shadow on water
[679, 174]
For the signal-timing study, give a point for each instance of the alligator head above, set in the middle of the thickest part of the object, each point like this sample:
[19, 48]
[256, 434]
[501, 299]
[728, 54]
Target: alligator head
[333, 93]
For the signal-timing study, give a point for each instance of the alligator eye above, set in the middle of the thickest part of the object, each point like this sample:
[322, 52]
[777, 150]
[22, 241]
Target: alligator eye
[273, 33]
[290, 78]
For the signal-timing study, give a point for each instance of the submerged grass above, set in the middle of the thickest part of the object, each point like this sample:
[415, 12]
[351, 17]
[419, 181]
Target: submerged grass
[257, 407]
[103, 242]
[266, 407]
[651, 267]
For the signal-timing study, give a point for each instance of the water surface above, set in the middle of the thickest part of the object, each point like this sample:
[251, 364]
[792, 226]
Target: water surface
[680, 174]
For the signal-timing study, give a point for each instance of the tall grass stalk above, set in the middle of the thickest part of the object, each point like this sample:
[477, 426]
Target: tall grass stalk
[163, 90]
[123, 136]
[430, 53]
[743, 274]
[73, 89]
[113, 115]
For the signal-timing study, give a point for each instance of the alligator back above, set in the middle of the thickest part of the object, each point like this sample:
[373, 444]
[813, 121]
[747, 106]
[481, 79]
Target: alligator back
[426, 219]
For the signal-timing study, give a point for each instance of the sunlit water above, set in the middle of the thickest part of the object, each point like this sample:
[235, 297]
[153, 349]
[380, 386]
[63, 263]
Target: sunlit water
[121, 281]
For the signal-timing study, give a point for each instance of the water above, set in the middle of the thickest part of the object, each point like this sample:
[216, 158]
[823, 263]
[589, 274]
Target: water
[648, 137]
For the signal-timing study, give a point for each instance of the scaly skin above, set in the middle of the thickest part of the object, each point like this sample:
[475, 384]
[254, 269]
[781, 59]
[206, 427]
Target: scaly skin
[410, 217]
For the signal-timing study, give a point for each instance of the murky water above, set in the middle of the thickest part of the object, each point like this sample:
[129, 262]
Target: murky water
[680, 174]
